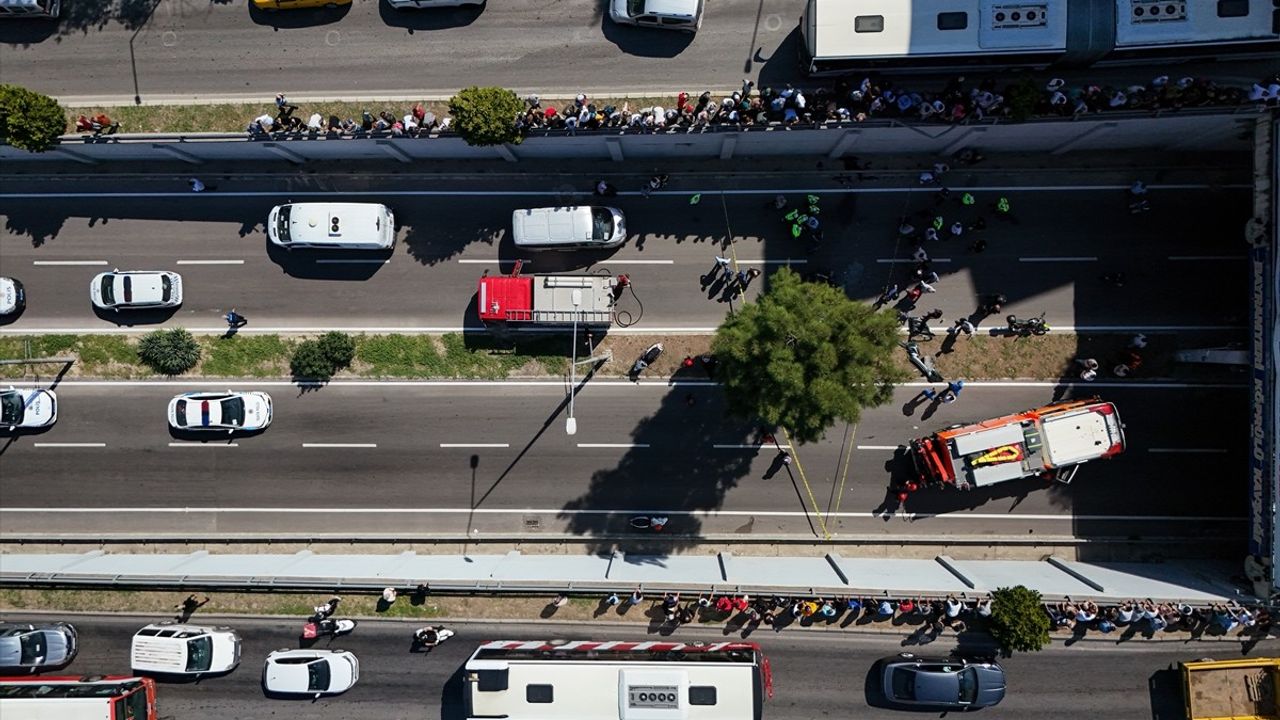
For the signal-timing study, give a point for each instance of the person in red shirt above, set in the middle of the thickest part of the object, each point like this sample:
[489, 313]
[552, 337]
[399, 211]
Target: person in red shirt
[740, 603]
[724, 604]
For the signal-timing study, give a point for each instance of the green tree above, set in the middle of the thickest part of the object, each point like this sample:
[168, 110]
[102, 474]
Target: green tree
[171, 352]
[804, 356]
[322, 357]
[29, 120]
[1018, 620]
[1023, 99]
[486, 115]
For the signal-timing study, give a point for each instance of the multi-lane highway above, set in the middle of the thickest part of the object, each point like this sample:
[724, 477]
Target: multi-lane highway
[815, 673]
[1070, 228]
[376, 458]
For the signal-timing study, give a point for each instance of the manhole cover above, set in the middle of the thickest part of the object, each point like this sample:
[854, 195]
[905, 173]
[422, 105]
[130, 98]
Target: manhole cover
[532, 523]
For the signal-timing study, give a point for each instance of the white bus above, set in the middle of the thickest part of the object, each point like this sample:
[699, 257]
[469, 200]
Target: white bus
[586, 680]
[840, 36]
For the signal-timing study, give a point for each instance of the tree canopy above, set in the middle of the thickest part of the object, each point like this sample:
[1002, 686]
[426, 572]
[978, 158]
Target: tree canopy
[805, 356]
[1018, 619]
[486, 115]
[29, 120]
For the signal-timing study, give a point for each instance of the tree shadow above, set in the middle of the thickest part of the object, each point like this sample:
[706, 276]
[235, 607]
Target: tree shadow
[353, 265]
[438, 240]
[664, 482]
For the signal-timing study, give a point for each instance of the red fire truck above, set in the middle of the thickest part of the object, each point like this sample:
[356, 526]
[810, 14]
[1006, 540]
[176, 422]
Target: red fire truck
[1050, 441]
[515, 300]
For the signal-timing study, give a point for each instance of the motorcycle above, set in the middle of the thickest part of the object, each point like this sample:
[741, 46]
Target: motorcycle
[1027, 326]
[649, 357]
[327, 627]
[431, 636]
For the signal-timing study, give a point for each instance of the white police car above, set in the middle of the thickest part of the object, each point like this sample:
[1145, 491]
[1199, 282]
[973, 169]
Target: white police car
[220, 411]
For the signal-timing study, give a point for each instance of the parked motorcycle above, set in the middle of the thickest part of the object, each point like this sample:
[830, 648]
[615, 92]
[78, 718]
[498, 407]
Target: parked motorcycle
[1027, 326]
[649, 357]
[327, 627]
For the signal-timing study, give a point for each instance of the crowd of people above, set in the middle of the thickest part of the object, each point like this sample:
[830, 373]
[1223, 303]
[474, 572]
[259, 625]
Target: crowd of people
[1149, 617]
[847, 100]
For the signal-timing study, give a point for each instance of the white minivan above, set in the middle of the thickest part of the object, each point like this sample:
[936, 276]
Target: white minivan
[334, 226]
[580, 227]
[170, 648]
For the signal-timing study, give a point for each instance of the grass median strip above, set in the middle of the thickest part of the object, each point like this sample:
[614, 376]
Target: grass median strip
[480, 357]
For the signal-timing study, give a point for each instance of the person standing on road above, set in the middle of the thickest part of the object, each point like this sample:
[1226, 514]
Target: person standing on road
[952, 393]
[235, 320]
[963, 325]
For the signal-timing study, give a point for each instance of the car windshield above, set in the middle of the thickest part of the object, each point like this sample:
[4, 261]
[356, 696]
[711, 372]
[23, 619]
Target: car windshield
[200, 654]
[34, 648]
[282, 223]
[11, 408]
[968, 685]
[635, 7]
[233, 412]
[109, 290]
[318, 676]
[601, 225]
[166, 287]
[904, 684]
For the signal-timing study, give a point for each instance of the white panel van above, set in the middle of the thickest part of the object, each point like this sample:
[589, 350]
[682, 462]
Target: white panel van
[169, 648]
[580, 227]
[335, 226]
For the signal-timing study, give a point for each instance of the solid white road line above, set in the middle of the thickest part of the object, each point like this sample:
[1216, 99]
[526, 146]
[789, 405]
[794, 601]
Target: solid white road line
[1068, 517]
[635, 262]
[339, 445]
[68, 262]
[909, 260]
[1208, 257]
[477, 445]
[750, 447]
[882, 447]
[203, 444]
[1187, 450]
[491, 261]
[210, 262]
[613, 445]
[1057, 259]
[68, 445]
[357, 261]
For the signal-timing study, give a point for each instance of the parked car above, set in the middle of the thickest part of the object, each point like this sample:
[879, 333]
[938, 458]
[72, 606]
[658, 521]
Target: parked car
[428, 4]
[36, 647]
[12, 296]
[683, 15]
[27, 408]
[957, 684]
[220, 411]
[310, 672]
[170, 648]
[136, 289]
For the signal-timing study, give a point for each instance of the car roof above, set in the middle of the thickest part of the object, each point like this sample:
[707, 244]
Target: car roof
[933, 684]
[146, 286]
[686, 8]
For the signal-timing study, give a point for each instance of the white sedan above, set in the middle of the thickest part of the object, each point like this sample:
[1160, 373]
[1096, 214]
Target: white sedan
[220, 411]
[136, 289]
[310, 672]
[27, 408]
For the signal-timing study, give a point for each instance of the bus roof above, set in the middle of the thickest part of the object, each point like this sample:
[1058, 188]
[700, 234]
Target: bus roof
[901, 28]
[1144, 23]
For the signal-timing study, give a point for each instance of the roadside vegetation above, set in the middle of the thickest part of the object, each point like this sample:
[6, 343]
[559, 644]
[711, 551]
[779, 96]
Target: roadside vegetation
[1018, 619]
[29, 120]
[479, 357]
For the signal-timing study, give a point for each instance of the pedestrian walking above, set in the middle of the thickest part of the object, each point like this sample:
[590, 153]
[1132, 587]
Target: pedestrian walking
[952, 393]
[613, 599]
[927, 287]
[560, 601]
[283, 106]
[721, 270]
[320, 612]
[744, 279]
[891, 293]
[636, 597]
[1003, 209]
[235, 320]
[196, 185]
[929, 393]
[1138, 342]
[967, 199]
[920, 255]
[604, 189]
[963, 325]
[389, 595]
[956, 230]
[906, 231]
[930, 235]
[785, 457]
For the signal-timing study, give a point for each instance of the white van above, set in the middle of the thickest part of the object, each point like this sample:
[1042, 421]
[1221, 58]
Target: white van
[580, 227]
[169, 648]
[336, 226]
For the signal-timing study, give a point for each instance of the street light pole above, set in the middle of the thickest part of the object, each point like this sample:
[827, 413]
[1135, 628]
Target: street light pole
[571, 423]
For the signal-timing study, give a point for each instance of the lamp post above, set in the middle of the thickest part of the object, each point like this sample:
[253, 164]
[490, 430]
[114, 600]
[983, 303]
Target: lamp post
[571, 423]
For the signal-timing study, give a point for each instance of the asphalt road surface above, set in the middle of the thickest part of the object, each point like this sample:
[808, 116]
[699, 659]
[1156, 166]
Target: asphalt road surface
[816, 673]
[187, 49]
[493, 459]
[1068, 229]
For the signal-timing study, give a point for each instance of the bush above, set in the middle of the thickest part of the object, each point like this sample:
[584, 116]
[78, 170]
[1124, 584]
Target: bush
[322, 357]
[171, 352]
[1018, 619]
[1023, 99]
[486, 115]
[29, 120]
